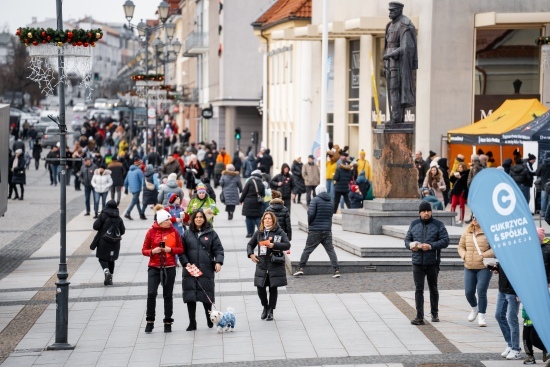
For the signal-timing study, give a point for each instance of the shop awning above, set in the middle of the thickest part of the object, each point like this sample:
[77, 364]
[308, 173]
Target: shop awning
[511, 114]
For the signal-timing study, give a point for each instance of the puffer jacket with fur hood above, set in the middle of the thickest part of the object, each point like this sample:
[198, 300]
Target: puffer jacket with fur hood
[277, 206]
[467, 248]
[102, 182]
[342, 178]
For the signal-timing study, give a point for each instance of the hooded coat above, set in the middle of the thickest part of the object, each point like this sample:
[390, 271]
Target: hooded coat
[342, 178]
[231, 187]
[102, 182]
[249, 165]
[171, 187]
[320, 212]
[107, 251]
[134, 179]
[19, 174]
[249, 197]
[265, 268]
[299, 183]
[117, 173]
[150, 196]
[277, 206]
[288, 181]
[363, 183]
[202, 249]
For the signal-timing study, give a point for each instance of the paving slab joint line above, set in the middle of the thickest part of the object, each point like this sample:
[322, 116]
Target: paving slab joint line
[434, 335]
[16, 330]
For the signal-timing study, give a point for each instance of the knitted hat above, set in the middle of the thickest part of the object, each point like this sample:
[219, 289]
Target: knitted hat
[162, 215]
[354, 188]
[173, 198]
[541, 233]
[424, 206]
[460, 156]
[201, 188]
[172, 177]
[230, 167]
[531, 156]
[256, 172]
[362, 152]
[432, 153]
[311, 156]
[434, 163]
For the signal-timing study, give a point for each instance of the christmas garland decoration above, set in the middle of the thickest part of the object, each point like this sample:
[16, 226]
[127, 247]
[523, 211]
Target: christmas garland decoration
[542, 41]
[149, 77]
[75, 37]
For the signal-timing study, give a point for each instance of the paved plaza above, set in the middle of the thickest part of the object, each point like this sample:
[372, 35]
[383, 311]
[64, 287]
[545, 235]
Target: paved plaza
[359, 319]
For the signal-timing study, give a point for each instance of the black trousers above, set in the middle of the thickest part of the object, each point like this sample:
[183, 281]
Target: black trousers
[15, 190]
[192, 310]
[107, 265]
[153, 282]
[310, 190]
[273, 293]
[337, 196]
[420, 273]
[530, 339]
[287, 203]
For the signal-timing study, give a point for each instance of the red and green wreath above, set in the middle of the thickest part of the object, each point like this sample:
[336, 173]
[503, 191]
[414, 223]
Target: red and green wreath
[542, 41]
[149, 77]
[75, 37]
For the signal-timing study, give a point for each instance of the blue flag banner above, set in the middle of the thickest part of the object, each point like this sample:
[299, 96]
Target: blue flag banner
[504, 216]
[316, 148]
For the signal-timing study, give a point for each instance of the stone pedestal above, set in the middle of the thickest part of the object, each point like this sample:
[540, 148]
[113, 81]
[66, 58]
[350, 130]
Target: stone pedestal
[395, 176]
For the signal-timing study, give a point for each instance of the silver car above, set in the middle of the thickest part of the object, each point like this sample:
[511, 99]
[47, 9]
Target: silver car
[51, 137]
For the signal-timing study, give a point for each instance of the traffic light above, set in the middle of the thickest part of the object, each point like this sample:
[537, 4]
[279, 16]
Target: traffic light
[253, 136]
[238, 133]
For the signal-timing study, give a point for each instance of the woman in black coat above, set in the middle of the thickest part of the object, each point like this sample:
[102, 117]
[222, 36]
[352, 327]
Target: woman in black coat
[270, 241]
[252, 199]
[19, 176]
[459, 192]
[342, 178]
[202, 248]
[284, 183]
[443, 166]
[107, 251]
[150, 196]
[276, 205]
[299, 184]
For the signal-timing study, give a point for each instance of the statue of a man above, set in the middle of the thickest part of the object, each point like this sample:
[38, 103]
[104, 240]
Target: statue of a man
[400, 62]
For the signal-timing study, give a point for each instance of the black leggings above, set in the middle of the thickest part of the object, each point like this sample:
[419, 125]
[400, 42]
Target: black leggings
[192, 310]
[14, 186]
[273, 293]
[530, 339]
[107, 265]
[337, 196]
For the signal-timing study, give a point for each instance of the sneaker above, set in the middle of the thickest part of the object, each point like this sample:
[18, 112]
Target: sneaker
[506, 352]
[481, 320]
[514, 354]
[418, 321]
[87, 214]
[336, 274]
[530, 359]
[143, 217]
[108, 277]
[299, 272]
[127, 216]
[472, 316]
[435, 317]
[149, 327]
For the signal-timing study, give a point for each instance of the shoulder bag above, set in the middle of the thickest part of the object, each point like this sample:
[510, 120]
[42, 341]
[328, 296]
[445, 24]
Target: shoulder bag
[258, 197]
[488, 262]
[113, 234]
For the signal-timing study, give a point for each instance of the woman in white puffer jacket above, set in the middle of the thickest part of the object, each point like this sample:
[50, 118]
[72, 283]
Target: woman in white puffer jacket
[101, 182]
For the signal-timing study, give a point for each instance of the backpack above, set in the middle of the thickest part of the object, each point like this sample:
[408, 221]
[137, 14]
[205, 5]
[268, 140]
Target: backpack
[113, 234]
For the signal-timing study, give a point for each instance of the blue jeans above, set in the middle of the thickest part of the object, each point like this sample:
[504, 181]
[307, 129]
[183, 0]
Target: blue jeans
[543, 202]
[477, 279]
[506, 315]
[250, 223]
[88, 190]
[526, 191]
[330, 188]
[97, 196]
[135, 202]
[55, 172]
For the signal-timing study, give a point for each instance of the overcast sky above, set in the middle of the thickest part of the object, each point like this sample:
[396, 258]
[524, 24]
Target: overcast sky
[17, 13]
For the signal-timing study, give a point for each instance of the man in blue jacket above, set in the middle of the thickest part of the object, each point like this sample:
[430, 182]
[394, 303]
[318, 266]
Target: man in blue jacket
[319, 218]
[425, 238]
[133, 183]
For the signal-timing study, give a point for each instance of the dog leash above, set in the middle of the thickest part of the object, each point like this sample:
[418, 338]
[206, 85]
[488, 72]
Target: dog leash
[196, 273]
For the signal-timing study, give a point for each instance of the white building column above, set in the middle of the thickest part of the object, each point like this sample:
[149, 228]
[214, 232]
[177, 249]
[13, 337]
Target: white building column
[341, 71]
[365, 96]
[304, 128]
[265, 100]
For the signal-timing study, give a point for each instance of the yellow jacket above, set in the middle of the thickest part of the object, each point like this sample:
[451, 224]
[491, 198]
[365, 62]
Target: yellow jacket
[364, 165]
[331, 169]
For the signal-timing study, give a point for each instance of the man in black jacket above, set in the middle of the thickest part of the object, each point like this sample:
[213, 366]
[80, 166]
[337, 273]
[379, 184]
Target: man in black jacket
[319, 218]
[543, 172]
[425, 238]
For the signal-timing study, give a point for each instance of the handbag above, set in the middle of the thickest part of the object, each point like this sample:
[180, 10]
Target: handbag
[488, 262]
[222, 197]
[278, 257]
[258, 197]
[113, 234]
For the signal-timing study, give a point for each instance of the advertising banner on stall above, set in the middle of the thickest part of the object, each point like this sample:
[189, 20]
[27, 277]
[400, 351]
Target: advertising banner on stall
[504, 216]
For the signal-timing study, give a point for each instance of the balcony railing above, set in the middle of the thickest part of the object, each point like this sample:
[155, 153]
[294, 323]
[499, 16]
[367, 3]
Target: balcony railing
[191, 95]
[196, 43]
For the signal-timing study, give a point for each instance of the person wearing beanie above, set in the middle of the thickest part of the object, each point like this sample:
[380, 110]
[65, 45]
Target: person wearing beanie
[193, 174]
[355, 197]
[431, 156]
[108, 248]
[473, 247]
[117, 175]
[252, 200]
[319, 218]
[162, 245]
[285, 183]
[231, 188]
[201, 200]
[425, 238]
[475, 168]
[170, 187]
[277, 207]
[180, 217]
[523, 177]
[101, 182]
[133, 183]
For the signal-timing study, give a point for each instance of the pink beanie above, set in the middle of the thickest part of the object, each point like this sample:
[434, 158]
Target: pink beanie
[540, 232]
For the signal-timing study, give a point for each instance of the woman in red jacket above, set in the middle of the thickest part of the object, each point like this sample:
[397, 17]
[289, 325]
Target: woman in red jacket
[162, 245]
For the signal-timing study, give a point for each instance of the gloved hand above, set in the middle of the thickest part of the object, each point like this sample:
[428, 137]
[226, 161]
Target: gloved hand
[125, 191]
[194, 170]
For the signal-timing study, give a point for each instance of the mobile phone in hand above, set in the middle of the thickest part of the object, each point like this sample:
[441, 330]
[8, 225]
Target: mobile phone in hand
[162, 244]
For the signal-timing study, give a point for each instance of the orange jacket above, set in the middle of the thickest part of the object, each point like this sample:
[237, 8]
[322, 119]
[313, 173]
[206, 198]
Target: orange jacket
[224, 158]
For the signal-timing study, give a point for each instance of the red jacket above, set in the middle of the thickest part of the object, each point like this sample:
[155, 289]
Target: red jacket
[172, 239]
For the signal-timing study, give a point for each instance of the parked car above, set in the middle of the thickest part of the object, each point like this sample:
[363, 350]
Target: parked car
[80, 107]
[44, 123]
[102, 113]
[51, 137]
[101, 103]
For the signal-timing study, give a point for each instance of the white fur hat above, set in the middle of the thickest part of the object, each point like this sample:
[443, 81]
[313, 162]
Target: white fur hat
[162, 215]
[172, 177]
[434, 164]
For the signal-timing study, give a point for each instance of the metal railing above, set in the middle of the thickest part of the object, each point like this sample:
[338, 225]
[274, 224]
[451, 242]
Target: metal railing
[196, 42]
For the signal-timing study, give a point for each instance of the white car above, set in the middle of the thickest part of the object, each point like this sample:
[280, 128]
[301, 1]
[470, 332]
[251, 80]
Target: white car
[101, 103]
[80, 107]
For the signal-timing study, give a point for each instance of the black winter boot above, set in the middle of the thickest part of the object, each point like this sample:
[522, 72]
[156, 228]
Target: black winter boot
[149, 327]
[269, 315]
[264, 313]
[168, 325]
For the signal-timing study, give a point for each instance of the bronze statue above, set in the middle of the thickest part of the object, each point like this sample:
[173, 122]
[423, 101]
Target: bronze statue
[400, 62]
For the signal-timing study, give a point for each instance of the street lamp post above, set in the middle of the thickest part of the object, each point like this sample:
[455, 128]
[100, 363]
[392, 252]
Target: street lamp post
[145, 32]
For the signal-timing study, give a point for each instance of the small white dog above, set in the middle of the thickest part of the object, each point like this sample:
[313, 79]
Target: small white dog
[224, 321]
